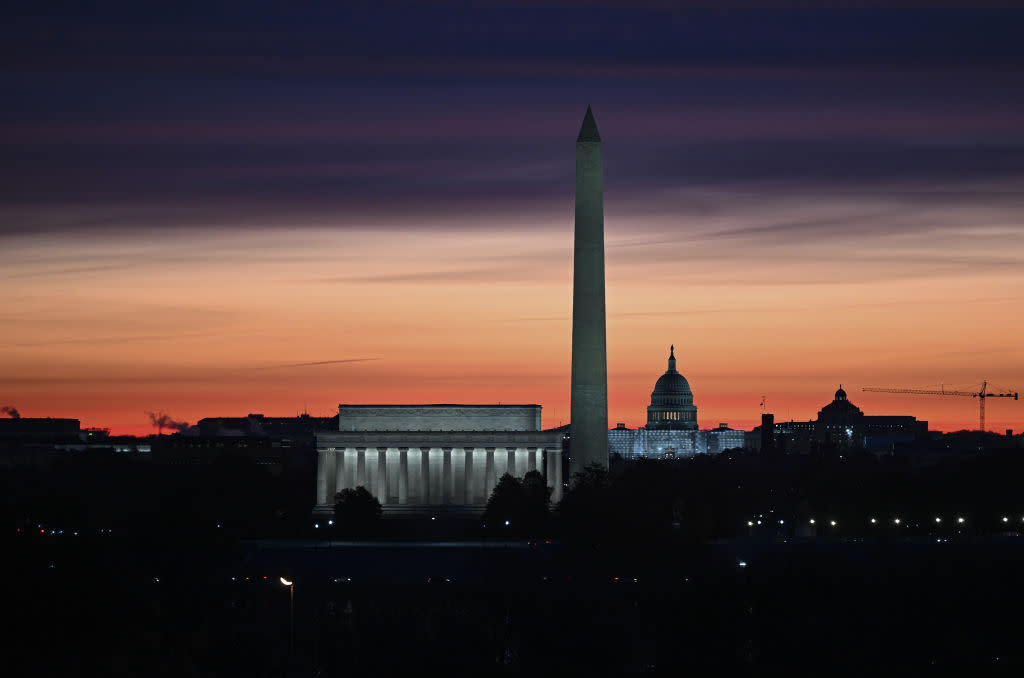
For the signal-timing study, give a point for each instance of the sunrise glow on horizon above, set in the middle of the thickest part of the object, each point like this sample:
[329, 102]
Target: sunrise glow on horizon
[204, 236]
[229, 324]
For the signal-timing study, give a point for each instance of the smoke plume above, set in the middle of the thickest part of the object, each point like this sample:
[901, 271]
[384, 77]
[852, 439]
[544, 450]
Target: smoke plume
[162, 420]
[11, 412]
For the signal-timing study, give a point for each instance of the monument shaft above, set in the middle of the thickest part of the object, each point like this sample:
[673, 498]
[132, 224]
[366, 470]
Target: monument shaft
[589, 398]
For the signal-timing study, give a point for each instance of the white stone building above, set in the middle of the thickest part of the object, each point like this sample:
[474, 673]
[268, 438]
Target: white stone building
[425, 458]
[671, 429]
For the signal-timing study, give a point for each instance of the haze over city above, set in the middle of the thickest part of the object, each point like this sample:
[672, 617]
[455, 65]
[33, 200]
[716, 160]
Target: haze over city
[221, 212]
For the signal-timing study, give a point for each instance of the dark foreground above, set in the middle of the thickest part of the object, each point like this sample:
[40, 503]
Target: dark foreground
[97, 605]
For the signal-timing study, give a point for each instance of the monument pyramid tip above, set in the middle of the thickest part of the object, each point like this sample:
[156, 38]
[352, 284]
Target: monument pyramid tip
[588, 130]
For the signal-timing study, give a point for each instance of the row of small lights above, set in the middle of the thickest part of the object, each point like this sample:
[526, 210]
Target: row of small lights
[896, 521]
[42, 530]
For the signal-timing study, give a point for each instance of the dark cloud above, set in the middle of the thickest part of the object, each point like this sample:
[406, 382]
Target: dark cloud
[232, 116]
[409, 37]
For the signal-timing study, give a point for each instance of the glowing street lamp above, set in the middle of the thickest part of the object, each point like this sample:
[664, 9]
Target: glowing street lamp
[938, 520]
[291, 613]
[960, 520]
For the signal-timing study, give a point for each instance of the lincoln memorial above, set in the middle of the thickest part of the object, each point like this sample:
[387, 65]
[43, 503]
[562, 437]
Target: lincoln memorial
[416, 458]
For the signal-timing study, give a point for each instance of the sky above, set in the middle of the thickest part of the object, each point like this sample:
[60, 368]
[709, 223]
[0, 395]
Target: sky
[213, 209]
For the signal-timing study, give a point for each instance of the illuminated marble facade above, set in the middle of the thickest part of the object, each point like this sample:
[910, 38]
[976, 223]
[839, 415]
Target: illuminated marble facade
[432, 457]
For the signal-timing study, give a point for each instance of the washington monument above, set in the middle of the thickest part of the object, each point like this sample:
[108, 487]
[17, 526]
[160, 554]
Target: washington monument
[589, 400]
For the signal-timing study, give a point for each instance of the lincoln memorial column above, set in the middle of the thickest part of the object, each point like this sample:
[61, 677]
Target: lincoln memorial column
[424, 475]
[489, 474]
[468, 476]
[382, 475]
[511, 464]
[321, 477]
[556, 466]
[403, 475]
[329, 475]
[446, 475]
[361, 466]
[339, 464]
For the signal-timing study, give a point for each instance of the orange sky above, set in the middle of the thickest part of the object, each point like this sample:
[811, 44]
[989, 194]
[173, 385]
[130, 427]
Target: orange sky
[203, 322]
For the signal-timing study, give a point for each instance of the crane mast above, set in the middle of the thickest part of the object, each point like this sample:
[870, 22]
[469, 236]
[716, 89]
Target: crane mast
[981, 395]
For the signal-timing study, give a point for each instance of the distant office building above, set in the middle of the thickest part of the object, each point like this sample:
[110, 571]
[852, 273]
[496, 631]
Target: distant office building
[671, 429]
[301, 426]
[841, 424]
[275, 454]
[40, 429]
[723, 438]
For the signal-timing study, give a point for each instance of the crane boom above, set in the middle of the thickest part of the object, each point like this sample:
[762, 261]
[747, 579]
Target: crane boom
[980, 395]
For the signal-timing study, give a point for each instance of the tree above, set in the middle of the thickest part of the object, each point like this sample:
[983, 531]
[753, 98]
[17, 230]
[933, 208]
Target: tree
[586, 509]
[356, 510]
[519, 506]
[506, 505]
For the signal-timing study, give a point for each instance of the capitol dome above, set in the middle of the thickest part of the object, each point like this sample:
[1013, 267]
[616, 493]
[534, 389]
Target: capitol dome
[672, 400]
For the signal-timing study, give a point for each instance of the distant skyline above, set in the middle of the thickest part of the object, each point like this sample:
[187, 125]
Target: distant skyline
[219, 209]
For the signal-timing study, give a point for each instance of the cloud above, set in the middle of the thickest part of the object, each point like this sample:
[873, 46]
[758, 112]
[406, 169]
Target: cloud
[315, 363]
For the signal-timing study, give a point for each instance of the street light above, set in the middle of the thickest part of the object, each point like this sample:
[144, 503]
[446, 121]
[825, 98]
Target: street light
[291, 613]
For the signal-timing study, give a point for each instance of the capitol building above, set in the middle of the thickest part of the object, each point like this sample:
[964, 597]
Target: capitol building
[671, 429]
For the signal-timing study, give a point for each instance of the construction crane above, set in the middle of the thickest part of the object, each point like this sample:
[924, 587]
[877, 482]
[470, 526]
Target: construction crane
[980, 395]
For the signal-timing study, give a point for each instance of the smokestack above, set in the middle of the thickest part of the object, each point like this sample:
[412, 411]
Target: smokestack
[162, 420]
